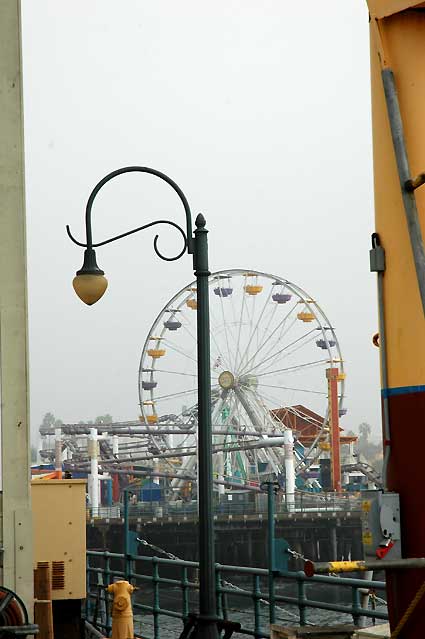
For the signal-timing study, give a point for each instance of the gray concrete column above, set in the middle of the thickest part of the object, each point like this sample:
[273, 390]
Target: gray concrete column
[16, 525]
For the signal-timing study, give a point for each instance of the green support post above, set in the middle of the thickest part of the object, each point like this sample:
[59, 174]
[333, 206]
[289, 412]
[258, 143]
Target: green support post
[207, 597]
[272, 488]
[302, 601]
[156, 604]
[355, 598]
[198, 246]
[185, 594]
[256, 594]
[107, 577]
[271, 544]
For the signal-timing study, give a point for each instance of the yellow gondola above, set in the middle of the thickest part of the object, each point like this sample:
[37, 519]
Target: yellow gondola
[253, 289]
[341, 376]
[156, 353]
[192, 303]
[152, 419]
[306, 316]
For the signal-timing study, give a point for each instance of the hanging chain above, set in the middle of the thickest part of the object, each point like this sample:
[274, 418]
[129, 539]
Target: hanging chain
[296, 555]
[160, 550]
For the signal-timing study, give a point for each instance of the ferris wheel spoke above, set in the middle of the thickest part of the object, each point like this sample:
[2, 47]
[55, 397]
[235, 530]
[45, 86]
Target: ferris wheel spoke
[283, 331]
[227, 327]
[290, 353]
[214, 355]
[178, 394]
[218, 356]
[285, 356]
[221, 354]
[267, 338]
[186, 323]
[240, 329]
[255, 330]
[213, 342]
[294, 368]
[162, 370]
[263, 409]
[179, 350]
[301, 390]
[275, 356]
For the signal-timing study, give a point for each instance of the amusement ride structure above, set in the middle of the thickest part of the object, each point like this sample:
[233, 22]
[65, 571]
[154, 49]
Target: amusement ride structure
[271, 348]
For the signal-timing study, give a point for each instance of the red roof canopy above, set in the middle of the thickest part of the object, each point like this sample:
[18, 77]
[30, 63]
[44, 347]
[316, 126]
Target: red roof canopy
[305, 423]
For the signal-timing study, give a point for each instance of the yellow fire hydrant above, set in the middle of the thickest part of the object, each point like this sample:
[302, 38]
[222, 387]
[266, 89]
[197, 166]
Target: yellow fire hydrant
[122, 611]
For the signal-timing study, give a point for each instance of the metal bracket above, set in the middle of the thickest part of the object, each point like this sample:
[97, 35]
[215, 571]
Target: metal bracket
[381, 525]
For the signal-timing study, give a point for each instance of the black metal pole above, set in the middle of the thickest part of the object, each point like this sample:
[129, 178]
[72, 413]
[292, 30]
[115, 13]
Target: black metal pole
[207, 596]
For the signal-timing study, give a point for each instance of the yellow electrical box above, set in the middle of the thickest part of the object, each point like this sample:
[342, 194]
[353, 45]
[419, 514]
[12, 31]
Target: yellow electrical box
[59, 532]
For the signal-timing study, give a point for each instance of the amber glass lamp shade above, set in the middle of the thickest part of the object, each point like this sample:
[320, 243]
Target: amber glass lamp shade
[90, 287]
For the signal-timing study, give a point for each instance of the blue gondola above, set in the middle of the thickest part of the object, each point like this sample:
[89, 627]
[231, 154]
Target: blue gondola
[342, 412]
[223, 291]
[149, 385]
[321, 343]
[172, 325]
[281, 298]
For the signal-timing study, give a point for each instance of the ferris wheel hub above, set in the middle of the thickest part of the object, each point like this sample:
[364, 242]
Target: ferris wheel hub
[226, 380]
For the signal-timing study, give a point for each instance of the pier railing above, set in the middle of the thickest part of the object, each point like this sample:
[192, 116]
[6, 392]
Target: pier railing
[168, 593]
[300, 503]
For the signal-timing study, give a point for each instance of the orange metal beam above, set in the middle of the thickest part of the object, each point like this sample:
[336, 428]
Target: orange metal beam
[334, 431]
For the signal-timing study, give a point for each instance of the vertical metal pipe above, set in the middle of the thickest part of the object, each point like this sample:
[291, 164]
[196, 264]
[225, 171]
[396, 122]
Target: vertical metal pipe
[356, 605]
[332, 377]
[58, 453]
[218, 592]
[127, 562]
[271, 548]
[156, 604]
[107, 574]
[289, 470]
[364, 598]
[301, 601]
[94, 472]
[409, 199]
[185, 594]
[257, 608]
[207, 599]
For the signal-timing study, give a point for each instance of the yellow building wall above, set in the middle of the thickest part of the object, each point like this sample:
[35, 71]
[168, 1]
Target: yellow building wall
[59, 522]
[403, 39]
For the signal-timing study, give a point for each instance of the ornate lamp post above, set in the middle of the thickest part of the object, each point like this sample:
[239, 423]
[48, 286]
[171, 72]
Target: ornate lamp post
[90, 284]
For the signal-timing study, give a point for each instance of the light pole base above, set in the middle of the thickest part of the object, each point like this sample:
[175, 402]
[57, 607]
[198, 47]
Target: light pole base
[198, 627]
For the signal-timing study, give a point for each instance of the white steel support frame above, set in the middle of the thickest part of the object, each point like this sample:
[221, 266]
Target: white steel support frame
[289, 469]
[58, 452]
[94, 470]
[16, 527]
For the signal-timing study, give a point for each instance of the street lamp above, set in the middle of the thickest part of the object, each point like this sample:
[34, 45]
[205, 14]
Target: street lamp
[90, 284]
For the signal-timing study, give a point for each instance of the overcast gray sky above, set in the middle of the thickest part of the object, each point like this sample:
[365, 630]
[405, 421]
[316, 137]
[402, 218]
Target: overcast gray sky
[259, 110]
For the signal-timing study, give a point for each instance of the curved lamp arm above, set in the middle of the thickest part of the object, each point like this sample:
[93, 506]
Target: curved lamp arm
[140, 169]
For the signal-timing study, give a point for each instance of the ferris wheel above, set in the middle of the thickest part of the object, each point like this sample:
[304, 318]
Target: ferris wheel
[270, 347]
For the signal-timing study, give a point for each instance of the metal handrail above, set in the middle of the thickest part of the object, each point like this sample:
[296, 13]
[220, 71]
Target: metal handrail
[125, 567]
